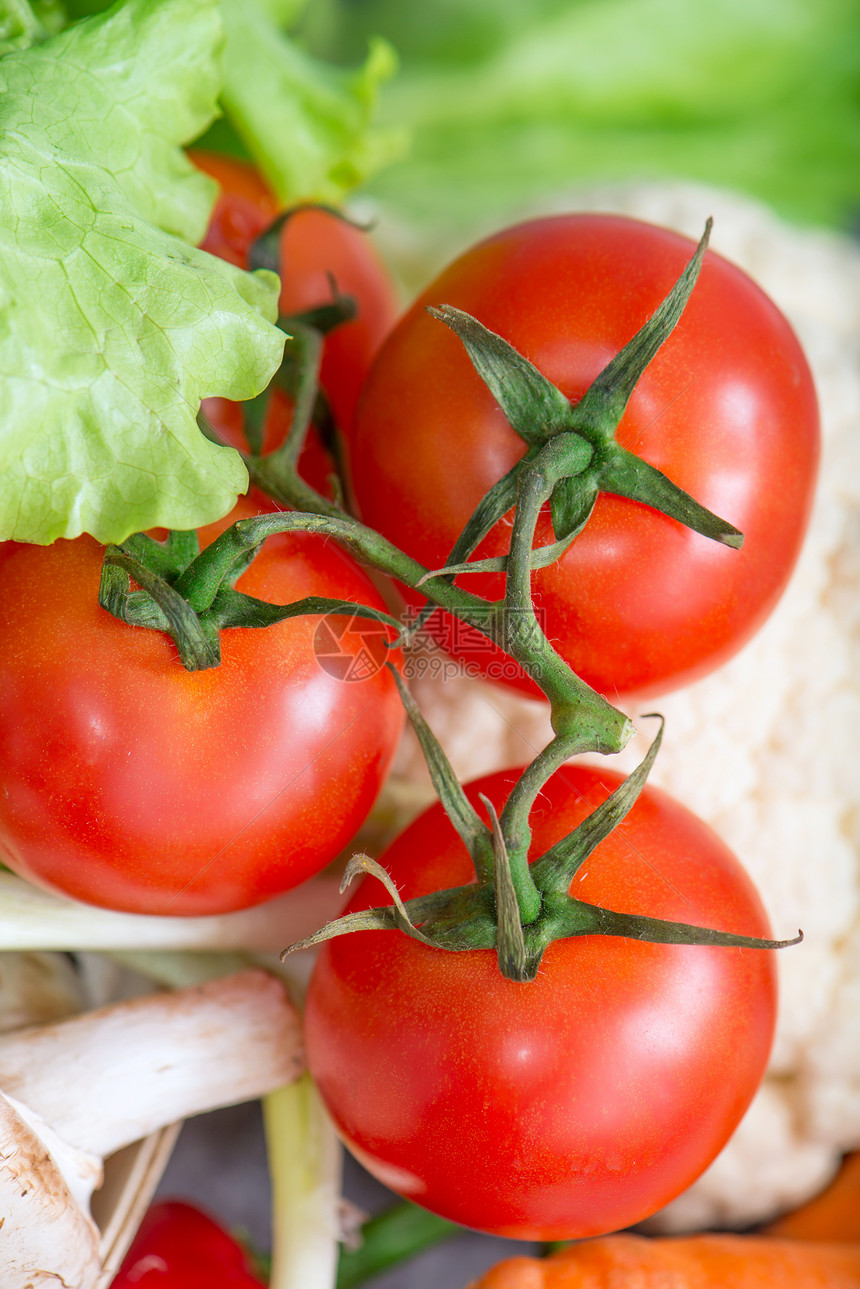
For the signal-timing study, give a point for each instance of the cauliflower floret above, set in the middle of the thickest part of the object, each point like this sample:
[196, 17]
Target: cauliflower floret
[766, 749]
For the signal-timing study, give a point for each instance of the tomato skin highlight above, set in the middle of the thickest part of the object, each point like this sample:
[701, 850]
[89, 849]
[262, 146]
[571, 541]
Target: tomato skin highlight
[134, 784]
[583, 1101]
[727, 409]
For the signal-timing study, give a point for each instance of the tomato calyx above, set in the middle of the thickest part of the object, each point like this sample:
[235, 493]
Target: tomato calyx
[592, 460]
[487, 914]
[190, 594]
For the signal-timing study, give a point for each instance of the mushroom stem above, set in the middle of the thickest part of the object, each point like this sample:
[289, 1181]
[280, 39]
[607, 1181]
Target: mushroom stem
[111, 1076]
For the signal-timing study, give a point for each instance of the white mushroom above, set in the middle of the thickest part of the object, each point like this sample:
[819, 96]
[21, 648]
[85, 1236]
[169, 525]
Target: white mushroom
[46, 1237]
[37, 987]
[78, 1090]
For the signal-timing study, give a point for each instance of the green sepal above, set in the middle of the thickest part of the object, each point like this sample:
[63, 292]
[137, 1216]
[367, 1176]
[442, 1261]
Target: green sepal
[463, 919]
[364, 864]
[557, 867]
[567, 918]
[570, 452]
[469, 826]
[602, 405]
[191, 597]
[538, 411]
[541, 557]
[626, 475]
[166, 558]
[487, 915]
[456, 919]
[490, 509]
[198, 647]
[510, 941]
[137, 608]
[535, 407]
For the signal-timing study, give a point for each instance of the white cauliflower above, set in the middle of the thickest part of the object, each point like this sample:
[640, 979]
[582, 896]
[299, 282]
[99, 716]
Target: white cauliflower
[766, 749]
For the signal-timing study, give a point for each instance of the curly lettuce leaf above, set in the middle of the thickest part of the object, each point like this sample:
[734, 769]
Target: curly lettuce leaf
[112, 326]
[307, 124]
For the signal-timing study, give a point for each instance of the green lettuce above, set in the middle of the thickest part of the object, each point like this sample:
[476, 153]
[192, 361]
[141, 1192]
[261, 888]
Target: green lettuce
[307, 124]
[112, 325]
[22, 24]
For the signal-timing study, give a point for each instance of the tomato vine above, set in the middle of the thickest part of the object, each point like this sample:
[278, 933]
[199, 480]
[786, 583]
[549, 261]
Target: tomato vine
[517, 907]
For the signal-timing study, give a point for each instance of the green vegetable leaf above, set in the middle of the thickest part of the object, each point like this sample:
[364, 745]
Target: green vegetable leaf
[305, 123]
[22, 25]
[112, 326]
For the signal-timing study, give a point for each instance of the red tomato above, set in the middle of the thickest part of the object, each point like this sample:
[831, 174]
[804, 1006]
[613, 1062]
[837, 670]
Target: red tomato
[578, 1103]
[179, 1247]
[315, 244]
[132, 783]
[727, 410]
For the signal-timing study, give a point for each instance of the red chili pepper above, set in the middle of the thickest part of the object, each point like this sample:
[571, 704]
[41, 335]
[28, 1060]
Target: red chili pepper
[179, 1247]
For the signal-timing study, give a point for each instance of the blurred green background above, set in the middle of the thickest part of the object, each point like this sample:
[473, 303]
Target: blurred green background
[510, 99]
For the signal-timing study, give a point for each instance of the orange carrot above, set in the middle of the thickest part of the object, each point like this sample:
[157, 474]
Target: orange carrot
[834, 1215]
[693, 1262]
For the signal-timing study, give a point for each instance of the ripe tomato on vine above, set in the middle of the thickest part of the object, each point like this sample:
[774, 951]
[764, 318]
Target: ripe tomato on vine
[132, 783]
[727, 410]
[578, 1103]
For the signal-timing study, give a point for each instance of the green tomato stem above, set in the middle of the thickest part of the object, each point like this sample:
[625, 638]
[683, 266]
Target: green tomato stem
[514, 618]
[579, 716]
[571, 456]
